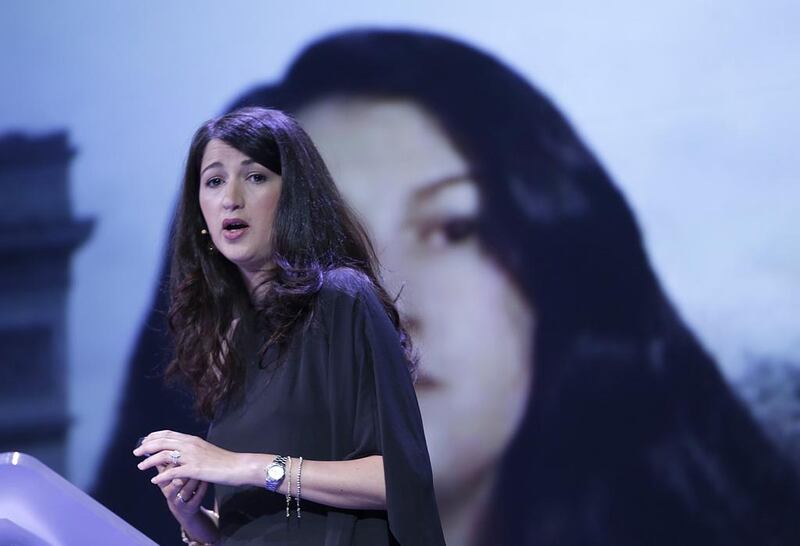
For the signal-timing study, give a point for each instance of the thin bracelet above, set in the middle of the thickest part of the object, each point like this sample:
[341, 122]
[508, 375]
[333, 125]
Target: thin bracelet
[297, 499]
[289, 488]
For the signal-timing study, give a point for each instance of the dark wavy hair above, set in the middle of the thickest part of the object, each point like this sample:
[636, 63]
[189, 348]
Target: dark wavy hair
[631, 434]
[314, 231]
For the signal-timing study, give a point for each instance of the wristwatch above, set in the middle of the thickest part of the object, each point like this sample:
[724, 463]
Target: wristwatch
[275, 471]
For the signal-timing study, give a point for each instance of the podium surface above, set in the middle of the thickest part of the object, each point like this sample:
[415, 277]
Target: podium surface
[40, 508]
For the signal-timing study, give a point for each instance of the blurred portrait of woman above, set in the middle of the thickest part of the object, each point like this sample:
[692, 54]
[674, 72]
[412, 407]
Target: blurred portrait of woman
[564, 399]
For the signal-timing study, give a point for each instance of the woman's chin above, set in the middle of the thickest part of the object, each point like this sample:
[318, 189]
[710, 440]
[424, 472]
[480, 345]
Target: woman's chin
[239, 257]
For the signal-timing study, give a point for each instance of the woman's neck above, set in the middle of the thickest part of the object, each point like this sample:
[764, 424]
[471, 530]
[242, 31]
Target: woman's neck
[255, 283]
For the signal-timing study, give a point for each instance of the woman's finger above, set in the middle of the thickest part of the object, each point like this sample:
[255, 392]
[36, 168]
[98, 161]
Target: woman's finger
[166, 433]
[165, 477]
[184, 472]
[199, 494]
[152, 445]
[158, 459]
[193, 501]
[188, 491]
[162, 458]
[169, 434]
[172, 487]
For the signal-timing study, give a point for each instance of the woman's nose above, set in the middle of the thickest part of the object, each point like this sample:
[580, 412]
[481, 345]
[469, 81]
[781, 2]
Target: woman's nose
[232, 199]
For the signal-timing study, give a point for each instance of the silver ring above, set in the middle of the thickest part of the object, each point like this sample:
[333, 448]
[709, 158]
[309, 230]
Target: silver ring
[180, 497]
[175, 455]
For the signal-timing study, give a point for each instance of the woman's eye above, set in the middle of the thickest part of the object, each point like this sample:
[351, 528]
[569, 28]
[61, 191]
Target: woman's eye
[450, 230]
[458, 229]
[213, 182]
[258, 178]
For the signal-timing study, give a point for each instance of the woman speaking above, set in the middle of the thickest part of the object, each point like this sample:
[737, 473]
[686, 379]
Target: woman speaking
[293, 350]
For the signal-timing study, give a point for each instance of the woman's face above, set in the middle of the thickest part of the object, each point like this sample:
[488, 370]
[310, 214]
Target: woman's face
[238, 199]
[471, 326]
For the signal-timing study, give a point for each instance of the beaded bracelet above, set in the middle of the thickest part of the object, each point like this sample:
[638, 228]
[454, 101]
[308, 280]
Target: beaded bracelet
[289, 487]
[297, 499]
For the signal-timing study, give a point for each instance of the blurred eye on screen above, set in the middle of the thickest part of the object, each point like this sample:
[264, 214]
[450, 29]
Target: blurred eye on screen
[447, 231]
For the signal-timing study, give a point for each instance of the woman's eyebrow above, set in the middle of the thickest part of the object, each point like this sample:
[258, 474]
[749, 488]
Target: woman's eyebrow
[211, 166]
[244, 163]
[425, 191]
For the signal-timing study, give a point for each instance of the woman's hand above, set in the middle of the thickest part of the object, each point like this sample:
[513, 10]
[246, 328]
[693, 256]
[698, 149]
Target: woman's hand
[188, 458]
[183, 497]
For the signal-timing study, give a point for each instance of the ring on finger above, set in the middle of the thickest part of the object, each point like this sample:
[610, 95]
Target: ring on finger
[180, 497]
[175, 455]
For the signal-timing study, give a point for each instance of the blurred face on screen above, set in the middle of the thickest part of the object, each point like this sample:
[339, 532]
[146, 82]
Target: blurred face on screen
[470, 325]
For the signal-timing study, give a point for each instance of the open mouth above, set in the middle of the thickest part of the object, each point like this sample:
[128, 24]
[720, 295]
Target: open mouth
[233, 227]
[234, 223]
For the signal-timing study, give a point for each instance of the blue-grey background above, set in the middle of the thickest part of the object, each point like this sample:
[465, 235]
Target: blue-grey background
[691, 104]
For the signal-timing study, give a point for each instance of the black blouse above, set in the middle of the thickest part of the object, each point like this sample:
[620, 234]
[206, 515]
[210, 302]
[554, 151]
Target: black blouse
[343, 392]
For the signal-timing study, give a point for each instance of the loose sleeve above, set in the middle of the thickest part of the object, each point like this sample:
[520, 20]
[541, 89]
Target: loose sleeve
[385, 419]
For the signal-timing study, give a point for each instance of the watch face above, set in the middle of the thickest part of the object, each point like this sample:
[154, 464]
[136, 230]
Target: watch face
[275, 472]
